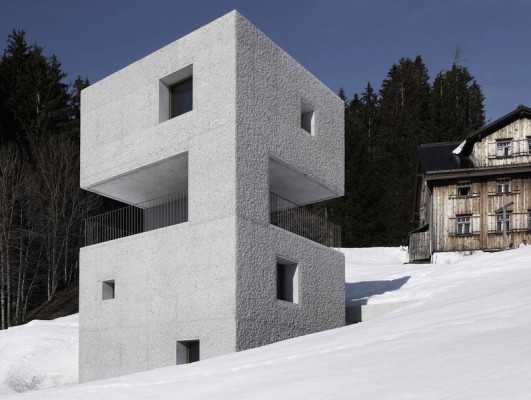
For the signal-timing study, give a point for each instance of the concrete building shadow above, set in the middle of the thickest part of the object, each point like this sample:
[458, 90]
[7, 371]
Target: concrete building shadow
[357, 295]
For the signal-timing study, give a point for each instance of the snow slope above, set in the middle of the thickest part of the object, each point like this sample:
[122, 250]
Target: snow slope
[466, 336]
[39, 355]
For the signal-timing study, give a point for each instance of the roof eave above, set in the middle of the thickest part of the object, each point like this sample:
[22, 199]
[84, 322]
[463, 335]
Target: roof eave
[480, 171]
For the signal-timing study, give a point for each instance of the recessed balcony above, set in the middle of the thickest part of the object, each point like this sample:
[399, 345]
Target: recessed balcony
[301, 221]
[132, 220]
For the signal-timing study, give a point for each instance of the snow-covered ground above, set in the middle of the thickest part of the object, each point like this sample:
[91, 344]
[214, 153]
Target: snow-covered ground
[40, 354]
[466, 335]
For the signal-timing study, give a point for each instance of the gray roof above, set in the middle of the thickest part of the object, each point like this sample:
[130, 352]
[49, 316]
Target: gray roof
[439, 157]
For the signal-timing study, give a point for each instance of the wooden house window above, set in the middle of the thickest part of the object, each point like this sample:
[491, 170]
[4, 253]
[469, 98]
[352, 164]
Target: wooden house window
[504, 185]
[503, 148]
[529, 145]
[464, 224]
[463, 188]
[529, 220]
[499, 222]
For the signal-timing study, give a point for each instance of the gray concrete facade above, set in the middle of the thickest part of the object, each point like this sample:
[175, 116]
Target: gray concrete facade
[212, 278]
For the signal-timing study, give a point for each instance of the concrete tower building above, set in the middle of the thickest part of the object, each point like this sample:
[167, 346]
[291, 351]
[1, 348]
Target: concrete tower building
[216, 141]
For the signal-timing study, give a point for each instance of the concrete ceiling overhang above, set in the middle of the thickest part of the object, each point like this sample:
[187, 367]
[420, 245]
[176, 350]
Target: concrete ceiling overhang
[147, 183]
[296, 186]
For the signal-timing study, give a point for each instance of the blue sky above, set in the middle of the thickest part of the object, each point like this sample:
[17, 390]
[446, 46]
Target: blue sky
[343, 43]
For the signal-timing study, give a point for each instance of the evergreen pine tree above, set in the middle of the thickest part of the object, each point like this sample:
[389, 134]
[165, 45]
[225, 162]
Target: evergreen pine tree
[456, 105]
[405, 120]
[35, 103]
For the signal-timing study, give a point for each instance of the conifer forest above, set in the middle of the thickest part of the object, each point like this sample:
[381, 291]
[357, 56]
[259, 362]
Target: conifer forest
[42, 208]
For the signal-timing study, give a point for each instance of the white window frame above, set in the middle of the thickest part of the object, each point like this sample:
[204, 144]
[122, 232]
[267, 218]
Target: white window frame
[499, 222]
[504, 148]
[463, 225]
[503, 185]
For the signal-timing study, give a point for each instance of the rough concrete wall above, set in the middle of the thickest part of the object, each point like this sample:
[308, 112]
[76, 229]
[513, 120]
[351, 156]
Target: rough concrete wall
[120, 129]
[175, 283]
[270, 87]
[261, 318]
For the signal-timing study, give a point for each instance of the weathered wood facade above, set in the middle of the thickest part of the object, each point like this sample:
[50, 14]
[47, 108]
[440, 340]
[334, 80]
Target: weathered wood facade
[461, 189]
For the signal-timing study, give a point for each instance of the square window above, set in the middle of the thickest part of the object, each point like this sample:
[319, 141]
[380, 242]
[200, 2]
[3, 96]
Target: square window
[463, 188]
[176, 93]
[181, 97]
[503, 148]
[187, 351]
[499, 222]
[107, 290]
[287, 281]
[504, 185]
[464, 224]
[307, 117]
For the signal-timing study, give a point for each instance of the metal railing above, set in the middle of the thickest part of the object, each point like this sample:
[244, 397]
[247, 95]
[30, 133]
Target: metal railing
[142, 217]
[301, 221]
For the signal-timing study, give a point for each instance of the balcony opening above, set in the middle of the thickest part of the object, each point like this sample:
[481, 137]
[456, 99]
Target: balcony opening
[287, 281]
[147, 216]
[107, 290]
[157, 195]
[187, 351]
[291, 191]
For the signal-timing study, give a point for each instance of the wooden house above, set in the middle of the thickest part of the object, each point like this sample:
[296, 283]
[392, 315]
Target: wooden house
[475, 194]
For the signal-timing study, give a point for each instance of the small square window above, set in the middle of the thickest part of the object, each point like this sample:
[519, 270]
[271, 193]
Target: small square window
[181, 97]
[503, 148]
[187, 351]
[287, 281]
[307, 118]
[504, 185]
[463, 188]
[107, 290]
[464, 224]
[176, 93]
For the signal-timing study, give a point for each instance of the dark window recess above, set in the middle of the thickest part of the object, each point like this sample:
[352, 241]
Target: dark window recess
[181, 97]
[107, 290]
[287, 285]
[463, 188]
[307, 116]
[187, 351]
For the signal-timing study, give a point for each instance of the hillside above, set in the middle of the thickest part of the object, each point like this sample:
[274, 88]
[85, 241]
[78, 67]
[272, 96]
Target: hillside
[65, 302]
[464, 335]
